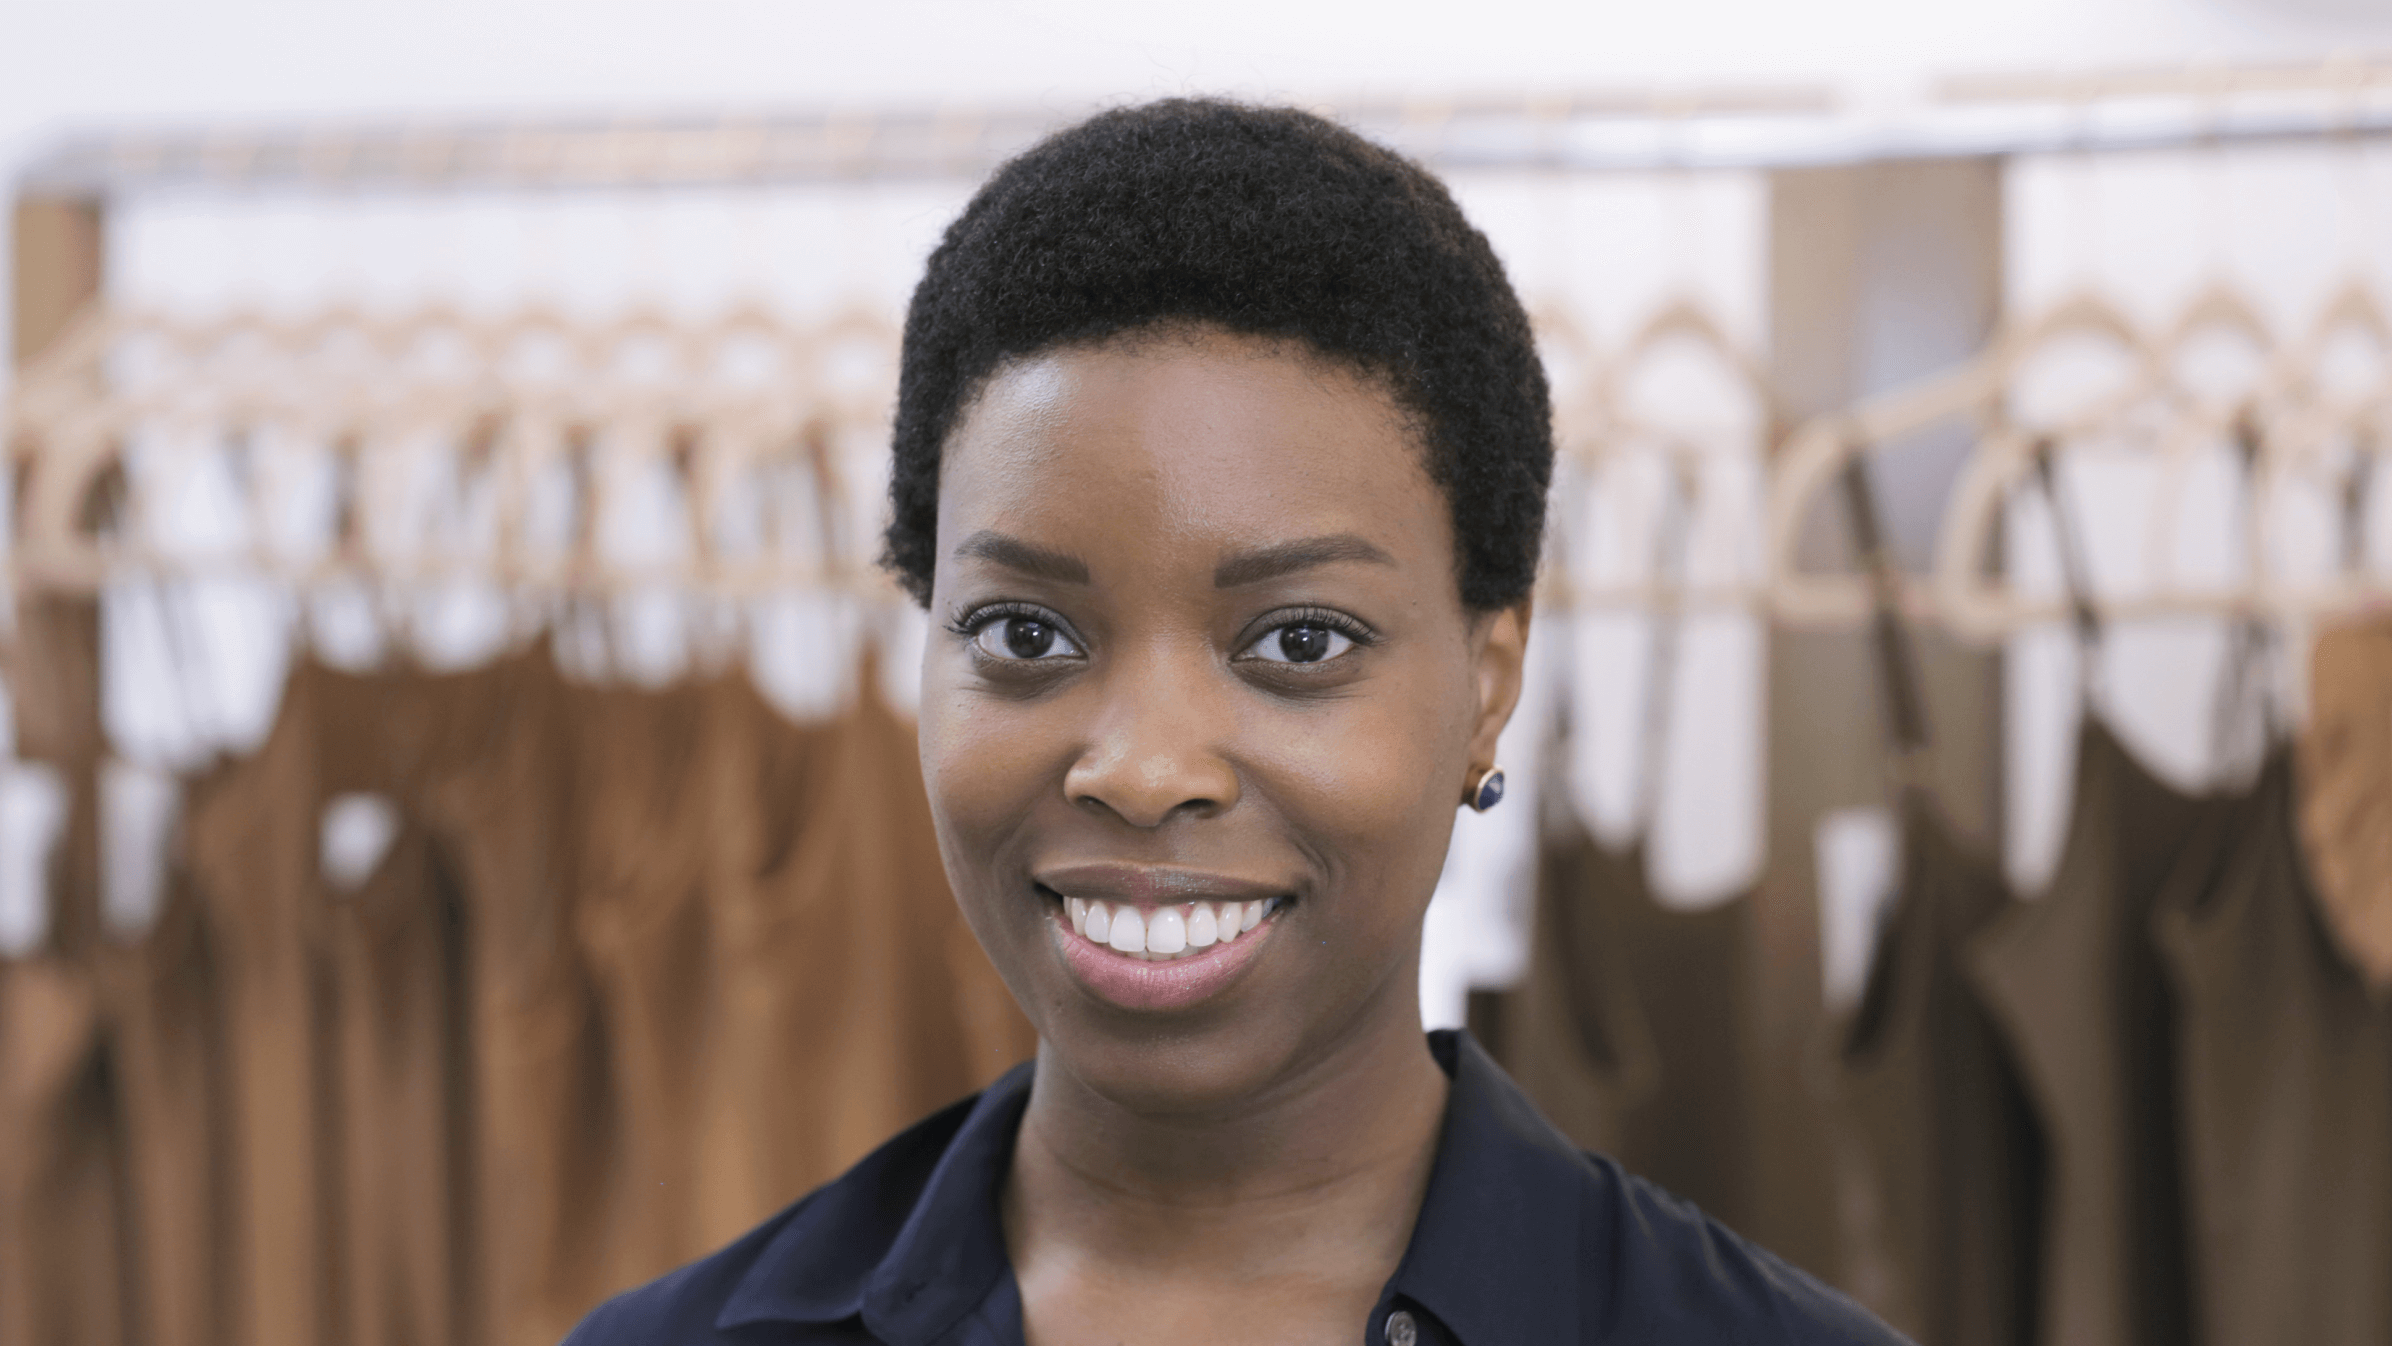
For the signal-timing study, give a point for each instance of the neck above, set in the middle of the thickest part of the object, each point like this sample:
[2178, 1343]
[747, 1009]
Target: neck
[1320, 1174]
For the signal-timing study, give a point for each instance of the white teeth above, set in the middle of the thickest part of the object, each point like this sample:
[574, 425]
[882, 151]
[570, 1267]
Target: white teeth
[1129, 932]
[1168, 932]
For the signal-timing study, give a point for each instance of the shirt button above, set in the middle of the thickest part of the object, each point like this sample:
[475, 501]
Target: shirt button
[1401, 1331]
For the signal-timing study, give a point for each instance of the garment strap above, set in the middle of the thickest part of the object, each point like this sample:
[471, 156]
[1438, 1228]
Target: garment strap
[2355, 490]
[2251, 644]
[1897, 663]
[2076, 571]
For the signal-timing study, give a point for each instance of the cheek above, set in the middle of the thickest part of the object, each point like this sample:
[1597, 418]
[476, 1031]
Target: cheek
[984, 764]
[1367, 786]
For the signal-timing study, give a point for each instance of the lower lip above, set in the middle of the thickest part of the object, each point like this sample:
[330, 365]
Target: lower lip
[1142, 984]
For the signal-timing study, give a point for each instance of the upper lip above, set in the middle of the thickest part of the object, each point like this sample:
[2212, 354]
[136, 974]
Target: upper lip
[1161, 884]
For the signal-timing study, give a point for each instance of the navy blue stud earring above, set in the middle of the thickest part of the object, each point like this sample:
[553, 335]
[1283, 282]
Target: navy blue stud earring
[1488, 793]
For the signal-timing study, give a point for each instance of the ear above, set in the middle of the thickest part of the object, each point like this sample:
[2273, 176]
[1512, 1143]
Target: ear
[1500, 653]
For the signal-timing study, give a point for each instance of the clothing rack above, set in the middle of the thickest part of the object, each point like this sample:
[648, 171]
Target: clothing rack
[711, 434]
[1590, 130]
[2343, 99]
[227, 382]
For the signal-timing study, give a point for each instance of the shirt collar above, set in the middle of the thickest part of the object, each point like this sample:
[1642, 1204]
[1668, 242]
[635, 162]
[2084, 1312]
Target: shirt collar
[951, 1253]
[912, 1239]
[1498, 1252]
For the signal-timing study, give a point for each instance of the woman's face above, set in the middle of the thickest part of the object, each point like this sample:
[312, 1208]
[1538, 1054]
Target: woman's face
[1198, 656]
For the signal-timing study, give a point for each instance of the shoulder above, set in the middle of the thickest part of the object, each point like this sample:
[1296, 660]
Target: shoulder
[1526, 1238]
[1677, 1275]
[799, 1276]
[686, 1304]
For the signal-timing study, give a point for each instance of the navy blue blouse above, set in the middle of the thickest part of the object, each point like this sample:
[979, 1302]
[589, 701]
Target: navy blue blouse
[1522, 1238]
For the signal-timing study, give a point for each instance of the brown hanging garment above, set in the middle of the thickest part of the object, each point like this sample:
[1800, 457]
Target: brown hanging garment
[61, 1187]
[2285, 1085]
[546, 1131]
[2076, 987]
[1631, 1017]
[856, 1000]
[1578, 1038]
[2345, 765]
[2074, 983]
[647, 827]
[1691, 972]
[165, 1014]
[1631, 1024]
[1949, 1145]
[768, 781]
[65, 1237]
[404, 1114]
[252, 845]
[400, 948]
[1947, 1151]
[344, 1107]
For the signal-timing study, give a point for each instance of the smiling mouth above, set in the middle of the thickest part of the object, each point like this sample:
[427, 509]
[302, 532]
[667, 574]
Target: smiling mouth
[1139, 950]
[1169, 932]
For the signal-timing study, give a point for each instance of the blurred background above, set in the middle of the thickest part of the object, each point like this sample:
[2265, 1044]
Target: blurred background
[461, 848]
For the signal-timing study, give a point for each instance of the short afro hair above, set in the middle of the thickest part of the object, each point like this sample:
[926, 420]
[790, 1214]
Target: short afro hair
[1266, 222]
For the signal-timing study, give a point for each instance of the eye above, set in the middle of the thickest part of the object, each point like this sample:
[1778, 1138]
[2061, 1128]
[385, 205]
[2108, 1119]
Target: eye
[1309, 641]
[1023, 636]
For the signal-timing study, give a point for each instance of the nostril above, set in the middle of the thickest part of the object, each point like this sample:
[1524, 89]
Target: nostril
[1148, 784]
[1148, 816]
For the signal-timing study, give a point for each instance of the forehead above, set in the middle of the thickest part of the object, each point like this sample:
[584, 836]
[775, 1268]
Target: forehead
[1187, 435]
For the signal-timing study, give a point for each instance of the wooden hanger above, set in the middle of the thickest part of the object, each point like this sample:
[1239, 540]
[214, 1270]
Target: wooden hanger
[67, 428]
[1580, 409]
[1680, 319]
[1977, 393]
[2278, 417]
[2334, 442]
[1614, 432]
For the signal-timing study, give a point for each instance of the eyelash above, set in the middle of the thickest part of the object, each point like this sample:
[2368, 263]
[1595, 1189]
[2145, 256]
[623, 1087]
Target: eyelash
[969, 624]
[1350, 628]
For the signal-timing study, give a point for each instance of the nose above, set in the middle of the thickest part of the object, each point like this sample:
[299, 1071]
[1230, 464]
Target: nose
[1154, 753]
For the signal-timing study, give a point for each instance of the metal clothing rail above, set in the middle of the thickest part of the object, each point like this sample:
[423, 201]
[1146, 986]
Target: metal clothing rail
[1756, 127]
[755, 149]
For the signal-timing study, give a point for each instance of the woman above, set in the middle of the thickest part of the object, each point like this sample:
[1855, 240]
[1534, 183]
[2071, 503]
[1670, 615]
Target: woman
[1221, 454]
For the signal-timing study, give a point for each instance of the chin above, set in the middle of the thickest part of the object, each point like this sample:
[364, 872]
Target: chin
[1174, 1071]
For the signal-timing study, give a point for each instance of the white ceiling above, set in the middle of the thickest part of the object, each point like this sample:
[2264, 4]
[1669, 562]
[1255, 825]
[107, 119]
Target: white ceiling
[111, 61]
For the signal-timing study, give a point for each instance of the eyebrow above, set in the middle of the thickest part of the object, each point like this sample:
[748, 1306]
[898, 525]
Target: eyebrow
[1269, 563]
[1028, 558]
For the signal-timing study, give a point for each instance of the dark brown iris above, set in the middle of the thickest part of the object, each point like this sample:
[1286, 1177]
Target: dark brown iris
[1306, 644]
